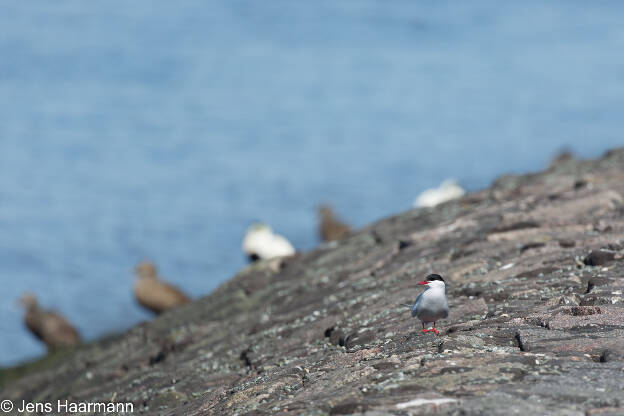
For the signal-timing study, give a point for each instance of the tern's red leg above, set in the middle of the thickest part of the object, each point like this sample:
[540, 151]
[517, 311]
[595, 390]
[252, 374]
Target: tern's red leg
[434, 329]
[424, 330]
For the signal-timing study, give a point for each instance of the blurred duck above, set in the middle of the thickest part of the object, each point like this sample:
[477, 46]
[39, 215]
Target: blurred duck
[448, 190]
[48, 326]
[261, 243]
[331, 228]
[154, 294]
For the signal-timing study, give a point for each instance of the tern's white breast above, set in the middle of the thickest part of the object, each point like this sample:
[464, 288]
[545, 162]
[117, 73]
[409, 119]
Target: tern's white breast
[433, 305]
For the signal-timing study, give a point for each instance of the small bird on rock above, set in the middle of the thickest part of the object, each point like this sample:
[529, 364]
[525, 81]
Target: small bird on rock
[447, 191]
[431, 305]
[48, 326]
[330, 227]
[154, 294]
[261, 243]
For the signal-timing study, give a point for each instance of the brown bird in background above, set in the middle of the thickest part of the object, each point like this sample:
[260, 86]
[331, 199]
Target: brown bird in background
[48, 326]
[154, 294]
[330, 228]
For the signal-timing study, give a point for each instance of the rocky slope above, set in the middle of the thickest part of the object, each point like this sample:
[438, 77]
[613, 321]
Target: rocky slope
[535, 281]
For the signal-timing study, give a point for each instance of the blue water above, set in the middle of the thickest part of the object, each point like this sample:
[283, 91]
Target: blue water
[130, 130]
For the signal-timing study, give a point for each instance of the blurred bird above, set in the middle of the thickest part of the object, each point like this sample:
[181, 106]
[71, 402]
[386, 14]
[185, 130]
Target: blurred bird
[48, 326]
[448, 190]
[330, 228]
[431, 305]
[154, 294]
[261, 243]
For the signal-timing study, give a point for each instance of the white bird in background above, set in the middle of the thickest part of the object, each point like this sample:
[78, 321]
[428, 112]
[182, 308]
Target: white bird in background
[448, 190]
[431, 305]
[261, 243]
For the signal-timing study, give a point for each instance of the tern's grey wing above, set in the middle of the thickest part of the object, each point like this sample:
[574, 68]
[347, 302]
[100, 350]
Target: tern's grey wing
[415, 305]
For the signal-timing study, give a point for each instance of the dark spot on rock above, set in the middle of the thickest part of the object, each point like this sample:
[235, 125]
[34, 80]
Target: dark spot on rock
[611, 153]
[596, 281]
[452, 329]
[359, 339]
[611, 355]
[598, 258]
[283, 263]
[530, 246]
[440, 347]
[567, 243]
[580, 183]
[522, 342]
[588, 301]
[158, 357]
[538, 271]
[245, 357]
[520, 225]
[336, 336]
[594, 296]
[376, 237]
[584, 310]
[605, 229]
[403, 244]
[348, 408]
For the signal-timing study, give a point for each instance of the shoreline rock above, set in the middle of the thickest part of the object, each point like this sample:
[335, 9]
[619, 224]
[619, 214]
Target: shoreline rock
[536, 326]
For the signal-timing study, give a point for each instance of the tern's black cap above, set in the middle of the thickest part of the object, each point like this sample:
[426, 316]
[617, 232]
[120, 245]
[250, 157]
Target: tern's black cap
[432, 277]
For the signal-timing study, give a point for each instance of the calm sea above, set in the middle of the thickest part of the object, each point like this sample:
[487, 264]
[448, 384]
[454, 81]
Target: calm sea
[135, 129]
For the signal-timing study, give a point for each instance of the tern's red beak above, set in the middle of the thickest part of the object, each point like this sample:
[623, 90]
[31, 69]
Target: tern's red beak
[424, 282]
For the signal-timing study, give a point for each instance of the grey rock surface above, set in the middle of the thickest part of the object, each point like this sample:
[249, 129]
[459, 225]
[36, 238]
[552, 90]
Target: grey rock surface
[535, 280]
